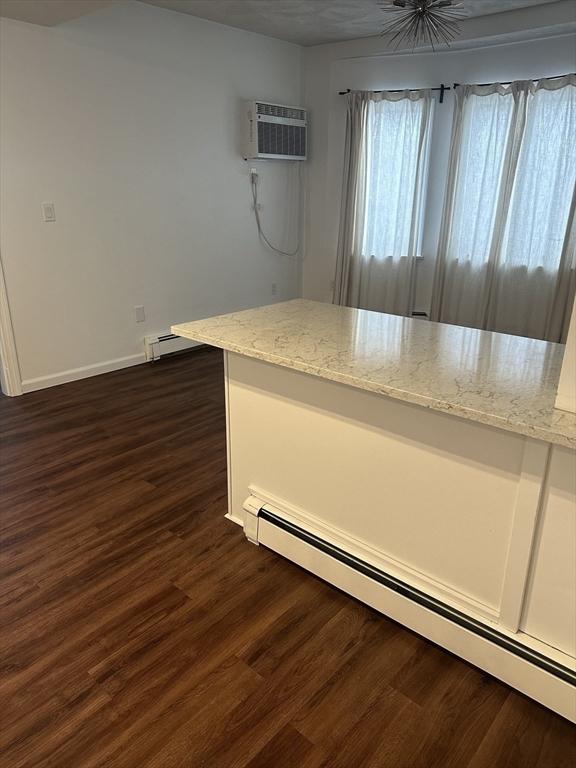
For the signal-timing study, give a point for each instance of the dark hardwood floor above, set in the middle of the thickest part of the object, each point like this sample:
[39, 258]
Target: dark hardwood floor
[141, 630]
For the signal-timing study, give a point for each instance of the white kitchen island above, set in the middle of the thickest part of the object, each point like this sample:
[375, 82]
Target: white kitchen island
[420, 467]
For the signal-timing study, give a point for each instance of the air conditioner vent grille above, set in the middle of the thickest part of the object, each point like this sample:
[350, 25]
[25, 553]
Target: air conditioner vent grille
[276, 110]
[280, 139]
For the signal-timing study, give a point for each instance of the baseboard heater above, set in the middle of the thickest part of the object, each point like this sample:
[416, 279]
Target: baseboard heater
[160, 344]
[486, 646]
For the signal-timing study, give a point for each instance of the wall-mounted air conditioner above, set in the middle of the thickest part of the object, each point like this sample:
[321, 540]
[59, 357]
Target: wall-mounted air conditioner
[275, 132]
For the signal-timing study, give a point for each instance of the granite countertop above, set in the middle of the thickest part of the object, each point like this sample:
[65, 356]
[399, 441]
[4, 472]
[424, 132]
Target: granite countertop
[505, 381]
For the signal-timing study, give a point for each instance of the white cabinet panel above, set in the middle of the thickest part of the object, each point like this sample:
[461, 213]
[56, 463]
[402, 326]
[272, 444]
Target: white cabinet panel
[550, 605]
[432, 492]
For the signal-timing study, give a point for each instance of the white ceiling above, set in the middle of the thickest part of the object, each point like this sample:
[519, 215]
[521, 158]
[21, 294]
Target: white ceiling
[311, 22]
[307, 22]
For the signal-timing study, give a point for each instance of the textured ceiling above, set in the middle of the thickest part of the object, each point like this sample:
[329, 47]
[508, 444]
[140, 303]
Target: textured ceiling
[48, 13]
[307, 22]
[311, 22]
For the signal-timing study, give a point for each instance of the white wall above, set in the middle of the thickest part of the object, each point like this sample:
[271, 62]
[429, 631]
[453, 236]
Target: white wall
[363, 64]
[128, 120]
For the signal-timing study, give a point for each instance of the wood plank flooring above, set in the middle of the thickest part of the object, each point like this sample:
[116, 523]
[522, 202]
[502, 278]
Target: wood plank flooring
[141, 630]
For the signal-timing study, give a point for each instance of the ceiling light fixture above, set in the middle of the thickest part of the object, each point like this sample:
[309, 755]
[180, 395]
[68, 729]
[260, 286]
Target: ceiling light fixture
[423, 21]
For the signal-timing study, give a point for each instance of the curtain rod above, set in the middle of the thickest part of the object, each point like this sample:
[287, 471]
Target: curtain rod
[509, 82]
[443, 88]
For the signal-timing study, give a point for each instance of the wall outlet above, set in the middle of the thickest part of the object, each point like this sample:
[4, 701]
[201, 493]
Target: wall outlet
[48, 212]
[274, 289]
[139, 313]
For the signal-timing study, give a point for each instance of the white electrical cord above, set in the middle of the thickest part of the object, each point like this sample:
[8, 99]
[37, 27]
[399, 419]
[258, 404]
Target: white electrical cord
[256, 206]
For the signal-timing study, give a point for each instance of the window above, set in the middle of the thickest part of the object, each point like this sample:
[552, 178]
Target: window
[388, 140]
[506, 257]
[398, 150]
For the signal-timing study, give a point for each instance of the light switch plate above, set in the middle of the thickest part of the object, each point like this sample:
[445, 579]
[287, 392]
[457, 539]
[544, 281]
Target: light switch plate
[48, 212]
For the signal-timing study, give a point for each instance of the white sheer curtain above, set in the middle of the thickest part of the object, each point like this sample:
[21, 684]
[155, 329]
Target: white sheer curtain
[386, 165]
[506, 258]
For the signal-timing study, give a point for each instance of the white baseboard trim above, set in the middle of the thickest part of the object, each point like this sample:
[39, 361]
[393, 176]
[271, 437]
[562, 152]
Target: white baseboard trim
[74, 374]
[235, 519]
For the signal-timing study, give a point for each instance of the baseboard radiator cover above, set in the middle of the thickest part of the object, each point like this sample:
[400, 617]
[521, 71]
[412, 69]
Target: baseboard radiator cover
[482, 644]
[161, 344]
